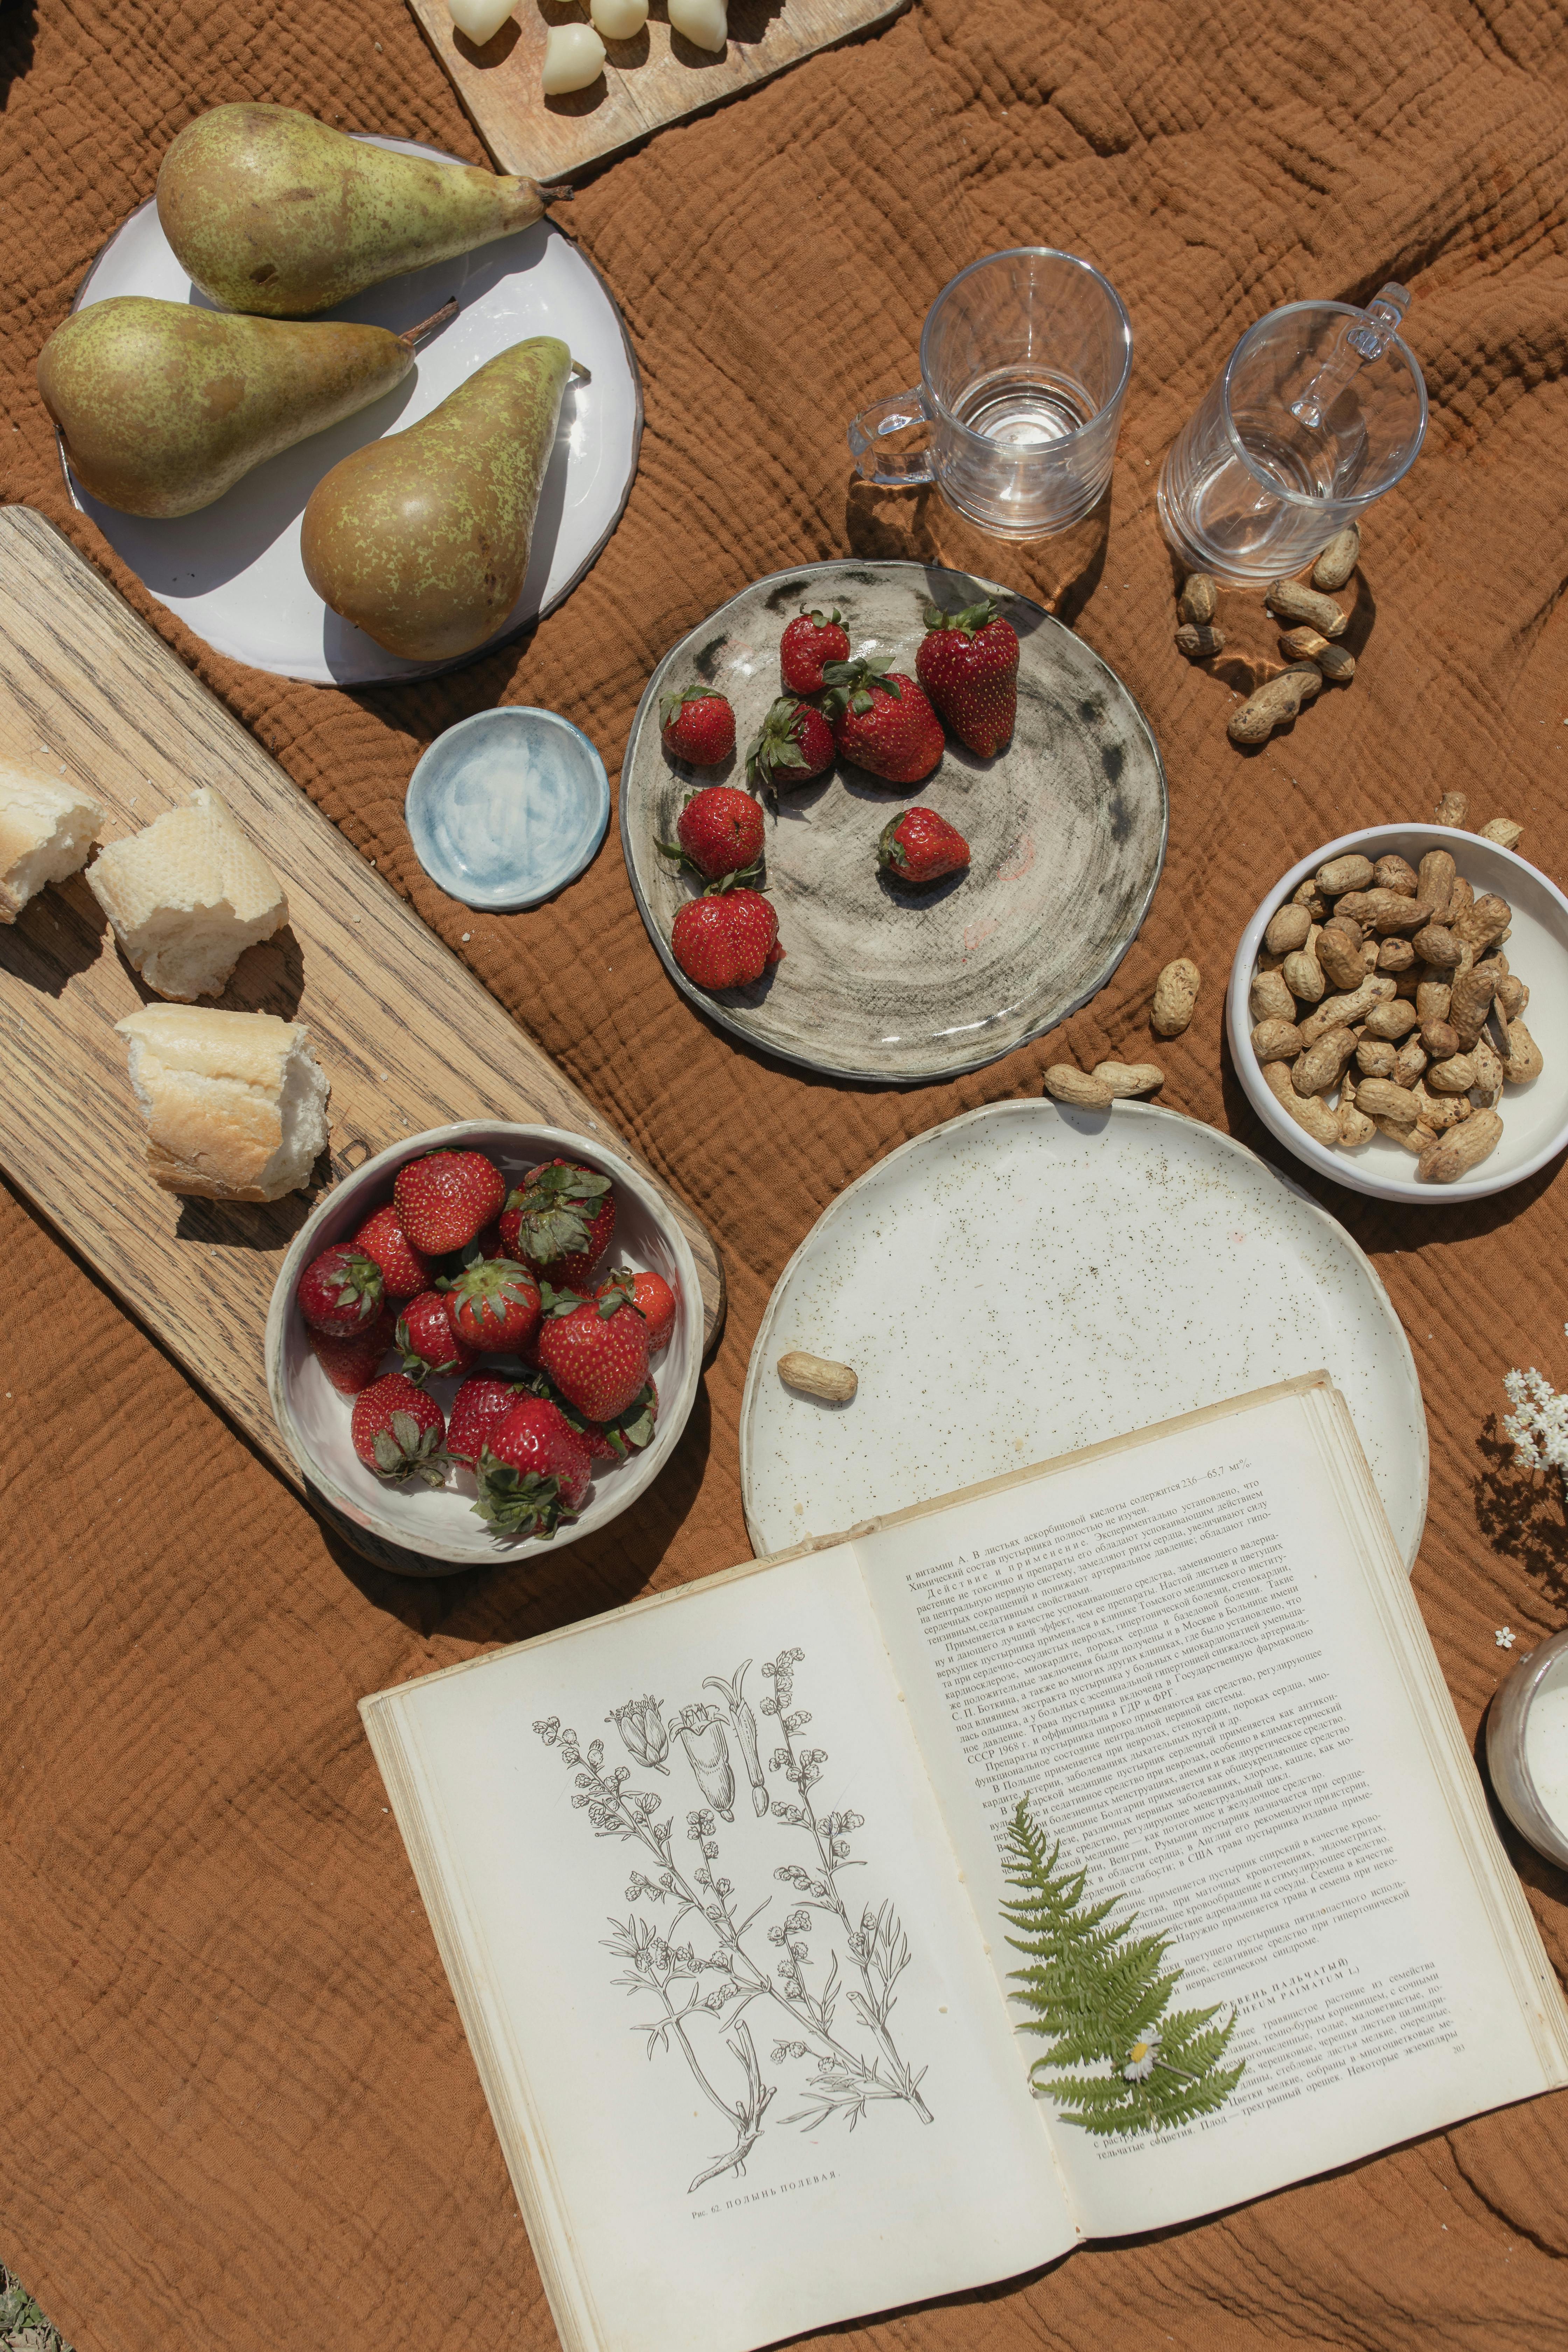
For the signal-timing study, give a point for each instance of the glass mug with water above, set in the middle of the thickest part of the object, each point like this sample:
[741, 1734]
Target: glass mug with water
[1321, 408]
[1024, 365]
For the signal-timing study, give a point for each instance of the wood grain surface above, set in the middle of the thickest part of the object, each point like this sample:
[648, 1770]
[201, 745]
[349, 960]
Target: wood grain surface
[657, 78]
[408, 1036]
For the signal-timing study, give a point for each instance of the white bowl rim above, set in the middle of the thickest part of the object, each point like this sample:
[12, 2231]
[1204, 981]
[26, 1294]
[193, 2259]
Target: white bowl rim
[632, 1479]
[1278, 1123]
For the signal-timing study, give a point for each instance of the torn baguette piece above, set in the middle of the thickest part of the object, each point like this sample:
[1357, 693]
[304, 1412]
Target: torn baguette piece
[236, 1103]
[47, 831]
[186, 897]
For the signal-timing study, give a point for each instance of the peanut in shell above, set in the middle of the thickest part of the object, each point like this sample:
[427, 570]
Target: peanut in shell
[1339, 559]
[1463, 1147]
[1290, 601]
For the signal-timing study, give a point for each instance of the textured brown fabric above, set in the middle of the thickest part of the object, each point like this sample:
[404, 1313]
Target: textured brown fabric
[238, 2109]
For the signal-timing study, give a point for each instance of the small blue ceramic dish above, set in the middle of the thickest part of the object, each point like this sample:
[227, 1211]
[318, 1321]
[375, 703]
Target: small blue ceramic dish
[507, 807]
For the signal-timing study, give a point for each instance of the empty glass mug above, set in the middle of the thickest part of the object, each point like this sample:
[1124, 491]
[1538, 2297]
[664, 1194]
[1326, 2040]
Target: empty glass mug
[1320, 410]
[1024, 363]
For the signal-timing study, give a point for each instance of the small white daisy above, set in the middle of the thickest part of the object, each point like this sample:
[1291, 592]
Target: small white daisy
[1140, 2058]
[1504, 1637]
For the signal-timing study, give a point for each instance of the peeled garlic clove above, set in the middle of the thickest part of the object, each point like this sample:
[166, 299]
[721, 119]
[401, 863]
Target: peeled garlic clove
[704, 23]
[482, 20]
[618, 20]
[573, 56]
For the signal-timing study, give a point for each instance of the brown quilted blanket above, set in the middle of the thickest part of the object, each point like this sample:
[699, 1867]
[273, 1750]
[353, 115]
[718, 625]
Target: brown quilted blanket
[238, 2111]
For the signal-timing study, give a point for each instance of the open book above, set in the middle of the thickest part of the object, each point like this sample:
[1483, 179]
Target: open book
[719, 1881]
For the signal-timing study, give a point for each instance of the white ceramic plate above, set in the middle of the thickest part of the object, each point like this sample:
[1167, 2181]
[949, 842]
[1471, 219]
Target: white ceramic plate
[233, 572]
[432, 1531]
[1027, 1279]
[1534, 1118]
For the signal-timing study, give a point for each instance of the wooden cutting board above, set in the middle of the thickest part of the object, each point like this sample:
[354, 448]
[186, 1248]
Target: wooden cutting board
[408, 1036]
[655, 80]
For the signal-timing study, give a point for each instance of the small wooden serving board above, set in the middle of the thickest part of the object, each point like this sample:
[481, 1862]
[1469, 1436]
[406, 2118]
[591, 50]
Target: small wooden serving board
[410, 1038]
[651, 81]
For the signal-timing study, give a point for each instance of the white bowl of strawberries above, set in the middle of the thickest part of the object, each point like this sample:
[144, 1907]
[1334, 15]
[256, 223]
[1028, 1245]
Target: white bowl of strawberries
[486, 1339]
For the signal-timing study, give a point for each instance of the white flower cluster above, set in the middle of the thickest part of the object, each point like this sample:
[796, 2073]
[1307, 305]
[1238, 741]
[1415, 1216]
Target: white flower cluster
[1537, 1425]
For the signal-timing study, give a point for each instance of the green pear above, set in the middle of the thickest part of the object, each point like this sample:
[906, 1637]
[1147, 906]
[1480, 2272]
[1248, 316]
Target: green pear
[421, 540]
[161, 407]
[274, 213]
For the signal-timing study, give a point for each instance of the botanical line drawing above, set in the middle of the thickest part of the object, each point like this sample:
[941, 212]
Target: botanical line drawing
[850, 2067]
[1099, 1996]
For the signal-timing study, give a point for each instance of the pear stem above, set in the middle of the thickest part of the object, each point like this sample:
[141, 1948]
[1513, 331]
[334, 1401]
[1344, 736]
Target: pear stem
[556, 194]
[415, 336]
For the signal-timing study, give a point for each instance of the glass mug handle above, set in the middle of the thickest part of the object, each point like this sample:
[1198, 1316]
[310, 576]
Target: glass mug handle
[894, 470]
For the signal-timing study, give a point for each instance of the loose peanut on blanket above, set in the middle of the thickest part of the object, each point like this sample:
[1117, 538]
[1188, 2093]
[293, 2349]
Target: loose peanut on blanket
[1504, 832]
[1339, 559]
[1254, 720]
[1176, 995]
[1453, 809]
[1198, 643]
[1065, 1084]
[818, 1376]
[1199, 598]
[1290, 601]
[1128, 1078]
[1462, 1148]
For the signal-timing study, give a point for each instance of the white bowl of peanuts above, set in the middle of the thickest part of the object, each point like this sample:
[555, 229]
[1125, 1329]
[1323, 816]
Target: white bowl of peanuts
[1410, 1038]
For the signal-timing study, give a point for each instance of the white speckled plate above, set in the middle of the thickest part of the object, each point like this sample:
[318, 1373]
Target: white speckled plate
[1027, 1279]
[1066, 829]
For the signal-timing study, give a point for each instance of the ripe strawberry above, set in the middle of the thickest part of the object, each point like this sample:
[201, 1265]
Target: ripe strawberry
[697, 725]
[494, 1305]
[920, 846]
[404, 1273]
[479, 1409]
[807, 644]
[339, 1292]
[968, 664]
[596, 1350]
[534, 1473]
[653, 1299]
[486, 1244]
[397, 1429]
[718, 833]
[559, 1221]
[352, 1364]
[430, 1341]
[628, 1434]
[726, 941]
[447, 1198]
[793, 743]
[882, 721]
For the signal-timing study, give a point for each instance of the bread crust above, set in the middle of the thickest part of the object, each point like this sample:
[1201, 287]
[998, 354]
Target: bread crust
[35, 811]
[212, 1088]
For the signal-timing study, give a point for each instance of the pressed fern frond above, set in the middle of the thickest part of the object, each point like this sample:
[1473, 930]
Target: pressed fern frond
[1098, 1996]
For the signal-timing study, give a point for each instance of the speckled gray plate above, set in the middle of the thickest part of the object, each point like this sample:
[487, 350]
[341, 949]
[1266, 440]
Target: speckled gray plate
[1066, 828]
[1027, 1279]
